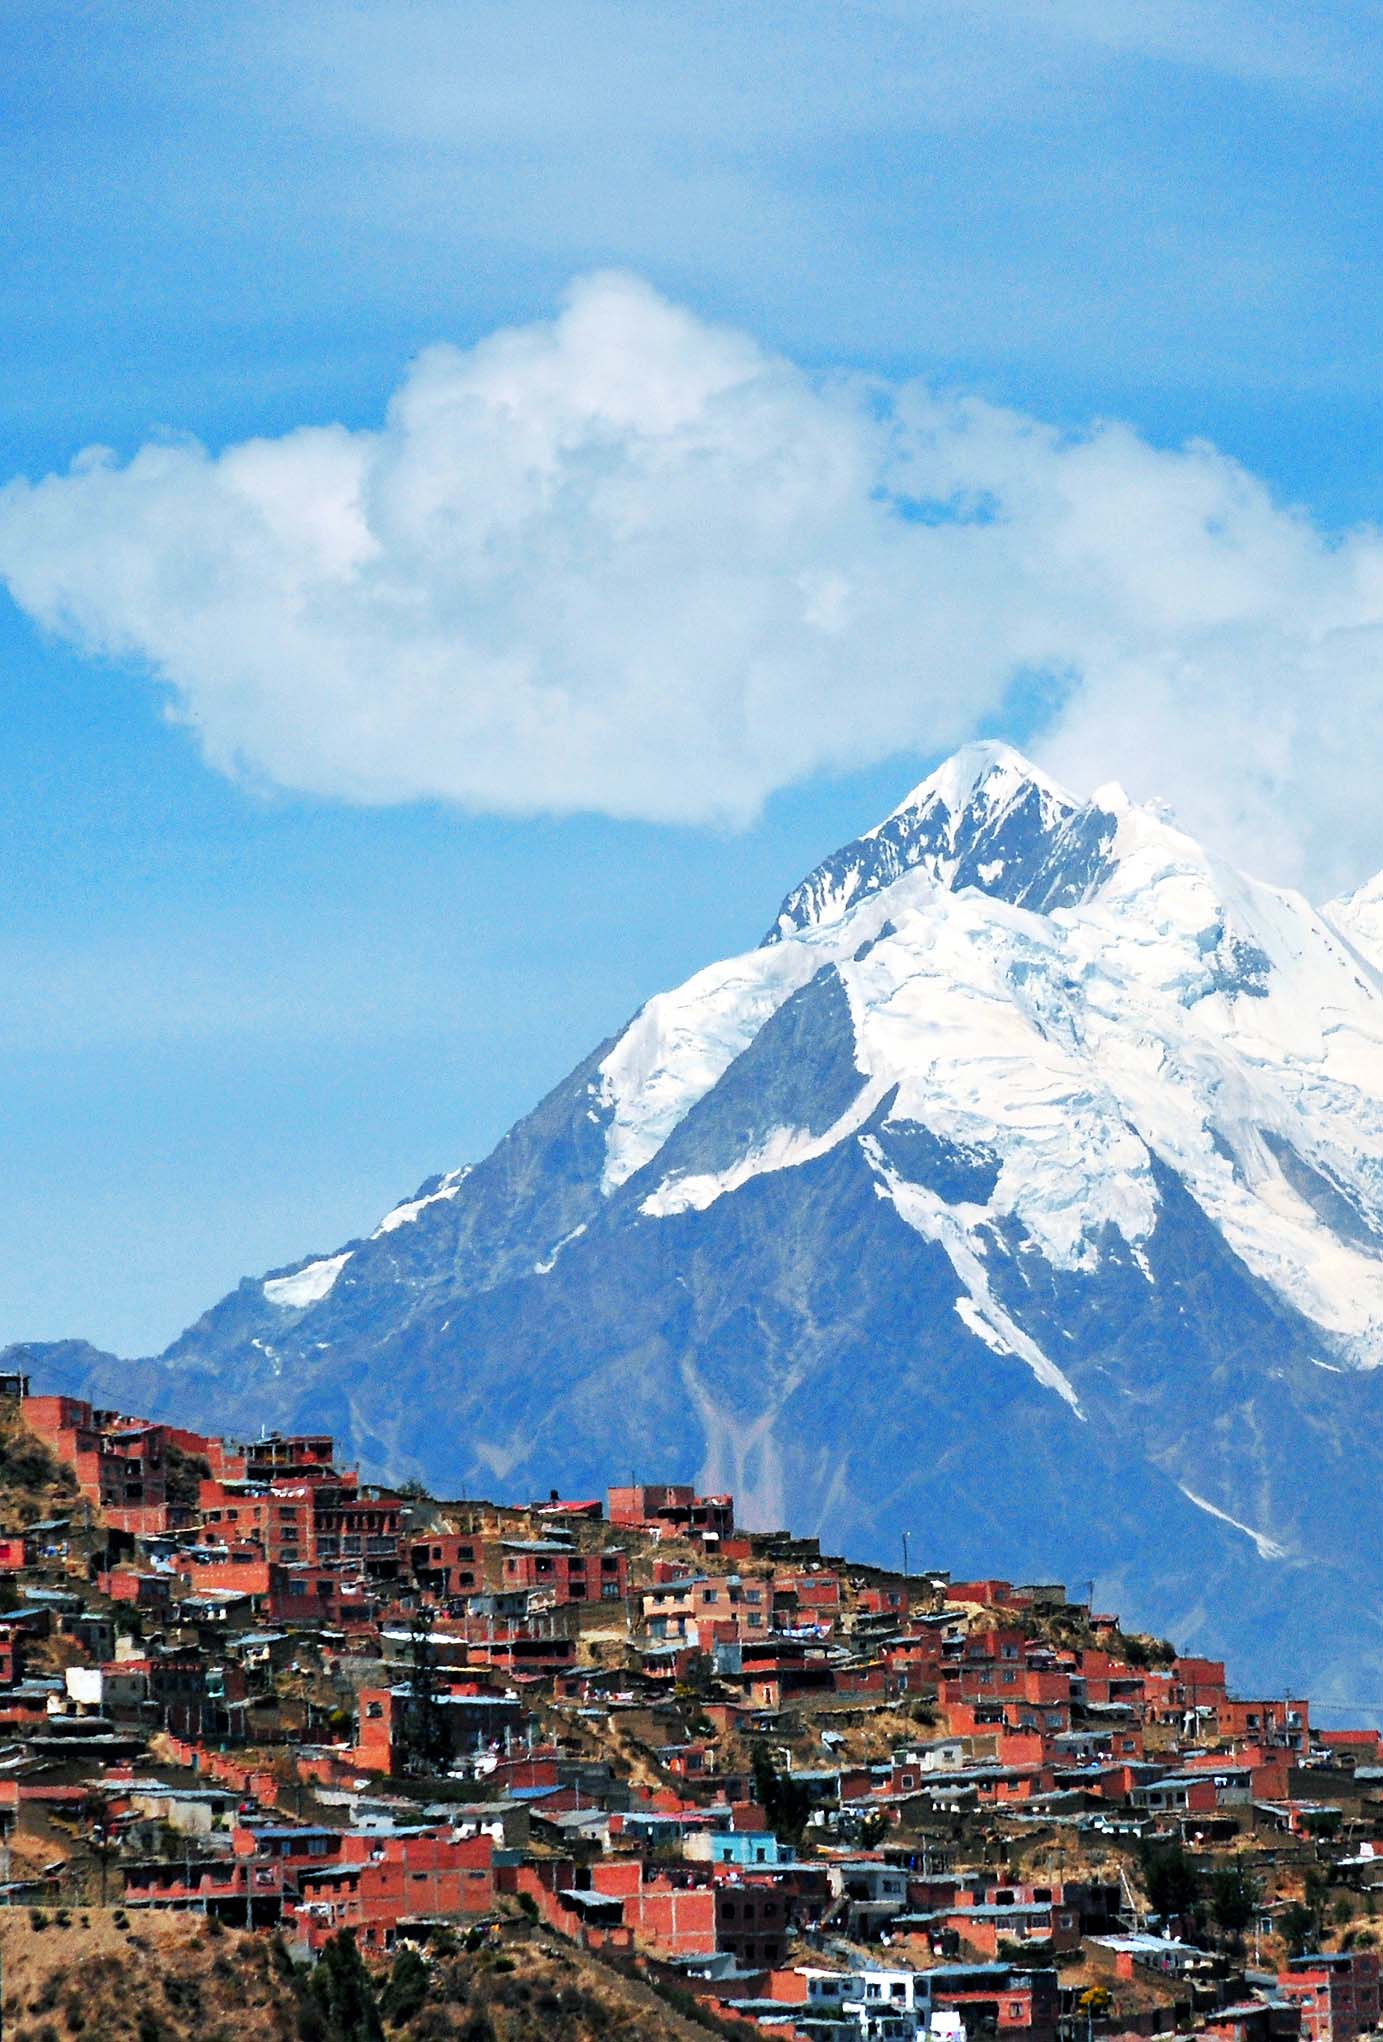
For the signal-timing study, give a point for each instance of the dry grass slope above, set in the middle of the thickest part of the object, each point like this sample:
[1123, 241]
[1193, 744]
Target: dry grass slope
[102, 1975]
[33, 1486]
[536, 1991]
[107, 1977]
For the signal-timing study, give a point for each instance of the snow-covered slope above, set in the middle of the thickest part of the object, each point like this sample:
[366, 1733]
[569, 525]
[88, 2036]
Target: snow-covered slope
[1160, 1006]
[1358, 917]
[1025, 1182]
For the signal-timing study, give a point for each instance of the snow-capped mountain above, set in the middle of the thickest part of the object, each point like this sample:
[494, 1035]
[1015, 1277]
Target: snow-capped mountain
[1023, 1189]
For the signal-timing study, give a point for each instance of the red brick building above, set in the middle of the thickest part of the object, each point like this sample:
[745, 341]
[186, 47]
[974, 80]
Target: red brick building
[281, 1520]
[564, 1574]
[377, 1882]
[1337, 1994]
[283, 1457]
[1285, 1723]
[120, 1463]
[686, 1913]
[673, 1508]
[449, 1564]
[130, 1584]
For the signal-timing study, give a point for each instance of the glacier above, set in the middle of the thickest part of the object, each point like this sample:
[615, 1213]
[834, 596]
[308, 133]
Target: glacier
[1156, 1004]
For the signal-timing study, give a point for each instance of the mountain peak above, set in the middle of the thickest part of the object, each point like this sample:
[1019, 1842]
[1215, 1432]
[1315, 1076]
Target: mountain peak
[1358, 917]
[986, 818]
[986, 768]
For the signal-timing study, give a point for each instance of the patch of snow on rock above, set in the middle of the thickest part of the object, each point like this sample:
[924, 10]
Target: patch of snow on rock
[1268, 1549]
[306, 1286]
[403, 1215]
[544, 1268]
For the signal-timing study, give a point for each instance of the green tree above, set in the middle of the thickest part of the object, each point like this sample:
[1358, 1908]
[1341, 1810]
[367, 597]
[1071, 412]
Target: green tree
[1233, 1899]
[1172, 1879]
[184, 1474]
[403, 1996]
[426, 1746]
[698, 1679]
[1298, 1926]
[341, 1995]
[785, 1804]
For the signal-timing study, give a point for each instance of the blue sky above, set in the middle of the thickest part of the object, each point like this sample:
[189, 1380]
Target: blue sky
[264, 973]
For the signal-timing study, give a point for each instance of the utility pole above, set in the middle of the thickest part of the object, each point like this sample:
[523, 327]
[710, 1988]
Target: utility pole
[906, 1537]
[101, 1846]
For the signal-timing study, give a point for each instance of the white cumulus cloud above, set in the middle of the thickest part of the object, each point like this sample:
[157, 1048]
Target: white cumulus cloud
[626, 560]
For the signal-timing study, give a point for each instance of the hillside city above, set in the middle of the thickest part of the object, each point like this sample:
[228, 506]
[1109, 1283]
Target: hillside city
[761, 1788]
